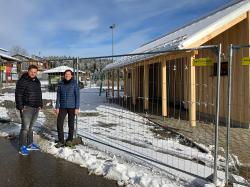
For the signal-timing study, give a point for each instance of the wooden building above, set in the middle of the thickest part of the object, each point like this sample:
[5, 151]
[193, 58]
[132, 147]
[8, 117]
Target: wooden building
[26, 61]
[174, 80]
[55, 75]
[8, 68]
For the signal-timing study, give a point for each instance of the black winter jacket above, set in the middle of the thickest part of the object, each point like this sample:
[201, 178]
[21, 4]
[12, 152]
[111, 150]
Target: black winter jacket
[28, 92]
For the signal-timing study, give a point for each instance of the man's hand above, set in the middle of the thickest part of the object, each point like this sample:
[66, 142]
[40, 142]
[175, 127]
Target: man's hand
[77, 111]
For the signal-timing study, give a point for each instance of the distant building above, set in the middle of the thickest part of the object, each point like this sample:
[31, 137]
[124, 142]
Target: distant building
[8, 68]
[55, 75]
[26, 61]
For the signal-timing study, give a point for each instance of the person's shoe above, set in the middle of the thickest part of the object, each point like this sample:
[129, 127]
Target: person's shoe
[24, 151]
[33, 147]
[59, 144]
[69, 143]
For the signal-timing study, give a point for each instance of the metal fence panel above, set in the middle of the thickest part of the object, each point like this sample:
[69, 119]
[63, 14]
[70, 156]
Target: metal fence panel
[159, 107]
[238, 107]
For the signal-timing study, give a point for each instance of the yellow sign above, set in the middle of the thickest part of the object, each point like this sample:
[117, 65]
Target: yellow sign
[245, 61]
[2, 68]
[202, 62]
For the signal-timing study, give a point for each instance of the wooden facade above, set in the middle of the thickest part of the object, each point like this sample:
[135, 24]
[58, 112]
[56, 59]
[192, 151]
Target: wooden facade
[178, 81]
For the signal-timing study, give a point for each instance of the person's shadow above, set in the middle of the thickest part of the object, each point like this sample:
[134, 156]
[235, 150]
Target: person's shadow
[14, 141]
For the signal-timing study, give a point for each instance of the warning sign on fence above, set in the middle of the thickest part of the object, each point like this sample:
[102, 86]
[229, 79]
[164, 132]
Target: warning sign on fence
[245, 61]
[202, 62]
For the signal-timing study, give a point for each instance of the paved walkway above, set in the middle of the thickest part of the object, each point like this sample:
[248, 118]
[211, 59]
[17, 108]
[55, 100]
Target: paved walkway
[40, 169]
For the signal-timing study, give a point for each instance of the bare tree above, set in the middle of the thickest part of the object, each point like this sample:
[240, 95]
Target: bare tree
[18, 50]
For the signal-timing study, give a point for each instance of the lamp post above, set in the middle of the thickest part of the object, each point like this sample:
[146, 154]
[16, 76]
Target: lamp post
[112, 27]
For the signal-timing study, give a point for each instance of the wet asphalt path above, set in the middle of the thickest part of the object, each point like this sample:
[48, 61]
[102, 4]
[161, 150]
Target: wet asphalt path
[41, 169]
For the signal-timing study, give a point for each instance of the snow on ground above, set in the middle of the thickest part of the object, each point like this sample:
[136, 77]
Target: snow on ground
[7, 97]
[49, 95]
[11, 96]
[101, 163]
[44, 82]
[3, 113]
[126, 129]
[125, 133]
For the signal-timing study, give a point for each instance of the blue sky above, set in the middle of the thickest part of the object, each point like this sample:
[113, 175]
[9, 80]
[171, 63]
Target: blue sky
[81, 27]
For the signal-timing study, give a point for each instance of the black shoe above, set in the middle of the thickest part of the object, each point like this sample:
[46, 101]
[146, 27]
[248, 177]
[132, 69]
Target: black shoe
[59, 144]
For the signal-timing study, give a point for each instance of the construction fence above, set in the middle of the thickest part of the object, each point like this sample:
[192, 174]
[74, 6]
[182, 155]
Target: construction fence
[169, 109]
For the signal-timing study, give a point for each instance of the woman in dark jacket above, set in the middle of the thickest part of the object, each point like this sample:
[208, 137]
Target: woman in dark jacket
[67, 102]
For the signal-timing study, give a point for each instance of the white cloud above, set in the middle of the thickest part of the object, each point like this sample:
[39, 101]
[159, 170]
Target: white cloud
[71, 24]
[82, 27]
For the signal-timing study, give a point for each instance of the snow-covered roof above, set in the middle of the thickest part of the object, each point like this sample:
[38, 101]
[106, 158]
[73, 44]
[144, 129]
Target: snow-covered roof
[8, 58]
[187, 35]
[60, 69]
[24, 56]
[2, 49]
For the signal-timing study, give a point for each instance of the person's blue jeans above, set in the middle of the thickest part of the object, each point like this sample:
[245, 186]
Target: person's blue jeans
[28, 116]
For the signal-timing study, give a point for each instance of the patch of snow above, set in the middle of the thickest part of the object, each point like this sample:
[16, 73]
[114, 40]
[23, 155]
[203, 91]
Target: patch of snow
[7, 97]
[3, 113]
[100, 163]
[49, 95]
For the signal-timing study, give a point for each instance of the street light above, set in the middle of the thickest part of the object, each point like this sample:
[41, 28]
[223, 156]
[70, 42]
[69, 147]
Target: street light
[112, 27]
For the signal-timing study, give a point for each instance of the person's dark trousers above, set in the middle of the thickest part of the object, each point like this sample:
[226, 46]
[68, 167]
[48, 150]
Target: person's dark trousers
[28, 116]
[60, 120]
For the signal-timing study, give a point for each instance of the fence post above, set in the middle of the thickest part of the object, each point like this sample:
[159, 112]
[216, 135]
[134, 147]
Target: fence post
[229, 110]
[113, 84]
[77, 80]
[215, 177]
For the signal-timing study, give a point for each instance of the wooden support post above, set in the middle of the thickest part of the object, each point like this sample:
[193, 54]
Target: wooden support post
[108, 84]
[248, 70]
[192, 92]
[125, 83]
[118, 83]
[164, 87]
[113, 84]
[145, 85]
[133, 86]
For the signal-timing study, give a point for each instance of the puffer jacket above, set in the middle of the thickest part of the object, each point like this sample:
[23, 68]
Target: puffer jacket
[68, 95]
[28, 92]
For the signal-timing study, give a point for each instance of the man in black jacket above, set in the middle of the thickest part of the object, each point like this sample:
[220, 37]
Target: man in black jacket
[28, 96]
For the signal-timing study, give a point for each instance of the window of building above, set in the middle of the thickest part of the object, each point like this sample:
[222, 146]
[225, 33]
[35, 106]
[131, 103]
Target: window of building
[224, 69]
